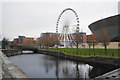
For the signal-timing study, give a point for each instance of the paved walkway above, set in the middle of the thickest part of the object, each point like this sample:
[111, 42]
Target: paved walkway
[9, 69]
[0, 66]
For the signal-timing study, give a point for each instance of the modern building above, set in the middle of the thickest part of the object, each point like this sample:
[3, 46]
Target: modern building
[110, 25]
[23, 40]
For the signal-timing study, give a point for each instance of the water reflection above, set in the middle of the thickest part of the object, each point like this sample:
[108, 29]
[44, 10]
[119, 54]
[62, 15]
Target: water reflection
[44, 66]
[66, 69]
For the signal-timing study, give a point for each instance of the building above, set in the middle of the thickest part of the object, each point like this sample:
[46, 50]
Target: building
[29, 40]
[51, 35]
[15, 41]
[69, 38]
[110, 25]
[83, 36]
[23, 40]
[48, 34]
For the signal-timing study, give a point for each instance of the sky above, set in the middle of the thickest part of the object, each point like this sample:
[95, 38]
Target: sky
[30, 18]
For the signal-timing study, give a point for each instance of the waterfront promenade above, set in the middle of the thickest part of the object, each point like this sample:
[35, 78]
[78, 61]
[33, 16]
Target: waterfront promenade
[9, 69]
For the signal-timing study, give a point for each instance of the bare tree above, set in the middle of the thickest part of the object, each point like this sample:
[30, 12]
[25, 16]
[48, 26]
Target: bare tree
[5, 43]
[104, 38]
[49, 41]
[42, 41]
[77, 38]
[94, 40]
[39, 42]
[55, 40]
[89, 42]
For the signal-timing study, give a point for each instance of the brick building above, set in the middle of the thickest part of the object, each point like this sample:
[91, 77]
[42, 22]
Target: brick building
[23, 40]
[48, 34]
[83, 36]
[15, 41]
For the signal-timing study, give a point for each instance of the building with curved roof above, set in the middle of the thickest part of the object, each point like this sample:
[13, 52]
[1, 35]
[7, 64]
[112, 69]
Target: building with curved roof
[110, 25]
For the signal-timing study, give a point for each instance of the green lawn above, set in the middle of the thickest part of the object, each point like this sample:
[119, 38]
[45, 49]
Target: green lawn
[85, 52]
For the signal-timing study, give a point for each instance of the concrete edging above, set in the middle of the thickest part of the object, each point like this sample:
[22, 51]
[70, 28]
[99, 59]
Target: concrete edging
[9, 69]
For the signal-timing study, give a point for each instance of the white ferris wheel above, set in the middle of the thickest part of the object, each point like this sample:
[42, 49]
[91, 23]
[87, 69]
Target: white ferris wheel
[67, 25]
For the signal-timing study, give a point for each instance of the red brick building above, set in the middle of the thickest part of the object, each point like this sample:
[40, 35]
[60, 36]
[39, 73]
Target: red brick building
[23, 40]
[83, 36]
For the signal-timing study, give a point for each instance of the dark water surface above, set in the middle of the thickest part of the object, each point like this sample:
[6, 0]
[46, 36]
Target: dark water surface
[45, 66]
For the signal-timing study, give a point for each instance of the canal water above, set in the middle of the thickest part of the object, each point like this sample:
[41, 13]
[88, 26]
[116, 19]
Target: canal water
[45, 66]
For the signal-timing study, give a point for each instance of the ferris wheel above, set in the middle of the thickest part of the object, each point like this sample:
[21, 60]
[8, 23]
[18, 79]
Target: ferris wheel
[67, 25]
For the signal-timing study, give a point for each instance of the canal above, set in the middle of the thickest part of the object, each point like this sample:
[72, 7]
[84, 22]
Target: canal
[45, 66]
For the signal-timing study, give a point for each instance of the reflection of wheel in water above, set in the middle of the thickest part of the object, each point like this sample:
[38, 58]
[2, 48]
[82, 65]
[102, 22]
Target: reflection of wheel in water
[67, 24]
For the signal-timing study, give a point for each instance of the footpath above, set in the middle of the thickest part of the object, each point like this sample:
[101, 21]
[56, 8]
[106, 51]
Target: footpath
[9, 69]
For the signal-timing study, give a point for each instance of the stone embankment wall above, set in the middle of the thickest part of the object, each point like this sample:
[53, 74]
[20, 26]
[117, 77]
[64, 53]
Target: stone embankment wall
[12, 52]
[90, 60]
[9, 69]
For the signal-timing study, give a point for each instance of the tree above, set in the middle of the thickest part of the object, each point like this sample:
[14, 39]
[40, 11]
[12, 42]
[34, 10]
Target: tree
[39, 42]
[55, 41]
[104, 38]
[94, 40]
[77, 38]
[5, 43]
[44, 41]
[49, 40]
[89, 42]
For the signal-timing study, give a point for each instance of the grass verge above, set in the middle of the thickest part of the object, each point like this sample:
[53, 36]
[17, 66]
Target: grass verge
[85, 52]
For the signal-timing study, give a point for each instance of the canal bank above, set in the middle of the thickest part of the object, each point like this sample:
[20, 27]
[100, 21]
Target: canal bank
[91, 60]
[9, 69]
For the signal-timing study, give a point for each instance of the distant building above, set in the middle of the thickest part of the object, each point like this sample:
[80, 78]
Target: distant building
[48, 34]
[83, 37]
[23, 40]
[15, 41]
[29, 40]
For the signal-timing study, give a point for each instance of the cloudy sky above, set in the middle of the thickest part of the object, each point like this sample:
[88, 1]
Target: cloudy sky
[32, 17]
